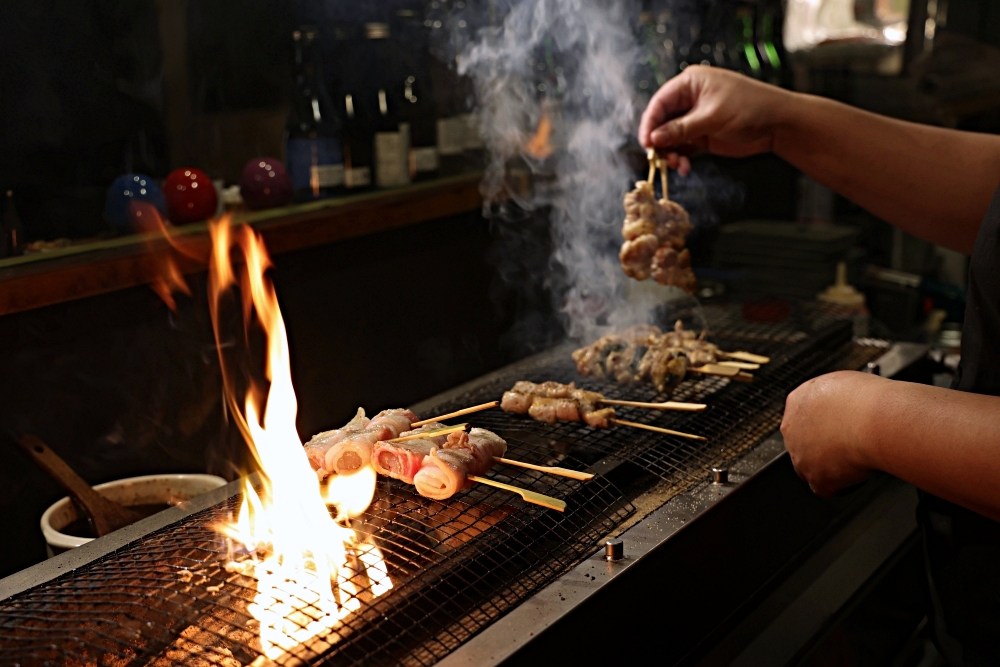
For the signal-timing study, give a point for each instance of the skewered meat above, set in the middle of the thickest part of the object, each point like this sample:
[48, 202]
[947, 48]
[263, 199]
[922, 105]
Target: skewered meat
[445, 470]
[348, 449]
[551, 402]
[646, 354]
[402, 460]
[320, 444]
[437, 465]
[654, 232]
[355, 451]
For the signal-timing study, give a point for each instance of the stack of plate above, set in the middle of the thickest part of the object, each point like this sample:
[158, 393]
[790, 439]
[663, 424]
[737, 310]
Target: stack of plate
[782, 257]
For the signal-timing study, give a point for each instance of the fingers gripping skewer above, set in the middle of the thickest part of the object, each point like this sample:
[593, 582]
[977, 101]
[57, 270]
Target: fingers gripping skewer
[550, 470]
[657, 162]
[457, 413]
[528, 496]
[657, 429]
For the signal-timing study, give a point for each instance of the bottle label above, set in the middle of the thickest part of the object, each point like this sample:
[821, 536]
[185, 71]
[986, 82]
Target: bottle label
[391, 160]
[327, 175]
[314, 164]
[451, 135]
[423, 160]
[472, 138]
[358, 177]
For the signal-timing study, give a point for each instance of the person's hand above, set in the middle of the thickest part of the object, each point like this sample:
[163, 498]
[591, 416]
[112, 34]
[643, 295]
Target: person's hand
[708, 108]
[826, 429]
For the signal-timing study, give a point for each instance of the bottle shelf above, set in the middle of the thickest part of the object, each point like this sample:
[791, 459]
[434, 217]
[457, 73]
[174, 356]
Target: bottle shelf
[91, 268]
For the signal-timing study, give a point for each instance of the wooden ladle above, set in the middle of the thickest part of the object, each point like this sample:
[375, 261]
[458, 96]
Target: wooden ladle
[105, 516]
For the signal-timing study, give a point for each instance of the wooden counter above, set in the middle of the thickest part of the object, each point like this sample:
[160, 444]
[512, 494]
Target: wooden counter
[78, 271]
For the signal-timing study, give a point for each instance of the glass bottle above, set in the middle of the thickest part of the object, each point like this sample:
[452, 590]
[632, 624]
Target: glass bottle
[391, 137]
[357, 142]
[313, 131]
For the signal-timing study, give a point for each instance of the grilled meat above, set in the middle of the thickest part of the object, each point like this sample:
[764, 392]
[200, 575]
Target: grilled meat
[445, 470]
[550, 402]
[654, 232]
[644, 353]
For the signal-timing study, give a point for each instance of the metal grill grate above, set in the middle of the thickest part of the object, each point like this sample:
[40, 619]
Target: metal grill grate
[168, 598]
[739, 415]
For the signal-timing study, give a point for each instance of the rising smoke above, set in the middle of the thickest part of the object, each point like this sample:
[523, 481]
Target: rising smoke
[571, 65]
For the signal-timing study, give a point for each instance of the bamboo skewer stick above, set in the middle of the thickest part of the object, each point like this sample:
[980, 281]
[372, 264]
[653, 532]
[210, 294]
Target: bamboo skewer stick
[742, 365]
[651, 156]
[457, 413]
[747, 356]
[666, 405]
[528, 496]
[716, 369]
[663, 177]
[657, 429]
[550, 470]
[430, 434]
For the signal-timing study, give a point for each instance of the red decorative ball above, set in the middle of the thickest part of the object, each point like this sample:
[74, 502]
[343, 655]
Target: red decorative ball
[265, 183]
[191, 196]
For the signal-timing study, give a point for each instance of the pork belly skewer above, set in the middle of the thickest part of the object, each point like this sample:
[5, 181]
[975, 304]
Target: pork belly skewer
[402, 457]
[461, 460]
[348, 449]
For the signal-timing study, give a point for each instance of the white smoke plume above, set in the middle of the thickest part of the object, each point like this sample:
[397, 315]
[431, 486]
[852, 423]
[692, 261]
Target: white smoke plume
[575, 63]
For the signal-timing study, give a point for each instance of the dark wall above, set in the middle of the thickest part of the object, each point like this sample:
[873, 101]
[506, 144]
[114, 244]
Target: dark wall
[119, 386]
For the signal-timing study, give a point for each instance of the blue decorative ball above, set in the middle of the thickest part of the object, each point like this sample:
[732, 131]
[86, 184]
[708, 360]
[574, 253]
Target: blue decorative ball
[123, 190]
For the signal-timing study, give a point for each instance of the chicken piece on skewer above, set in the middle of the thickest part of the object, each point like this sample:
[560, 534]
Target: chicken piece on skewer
[644, 353]
[445, 470]
[550, 402]
[654, 232]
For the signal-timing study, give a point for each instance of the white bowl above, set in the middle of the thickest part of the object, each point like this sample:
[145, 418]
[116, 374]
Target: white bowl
[143, 490]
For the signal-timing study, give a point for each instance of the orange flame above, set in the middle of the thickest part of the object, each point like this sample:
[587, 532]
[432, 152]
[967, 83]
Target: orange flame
[540, 146]
[168, 278]
[307, 565]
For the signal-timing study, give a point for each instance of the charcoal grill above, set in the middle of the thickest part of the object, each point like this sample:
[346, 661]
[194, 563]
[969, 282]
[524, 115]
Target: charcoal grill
[160, 591]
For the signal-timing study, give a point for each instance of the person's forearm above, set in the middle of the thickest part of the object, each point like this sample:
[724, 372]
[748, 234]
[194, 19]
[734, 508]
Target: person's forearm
[943, 441]
[933, 182]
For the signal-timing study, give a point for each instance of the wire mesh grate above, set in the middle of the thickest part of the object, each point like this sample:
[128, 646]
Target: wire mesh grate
[179, 596]
[739, 415]
[174, 597]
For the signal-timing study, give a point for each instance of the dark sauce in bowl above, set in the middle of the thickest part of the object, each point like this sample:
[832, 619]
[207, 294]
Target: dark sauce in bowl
[80, 527]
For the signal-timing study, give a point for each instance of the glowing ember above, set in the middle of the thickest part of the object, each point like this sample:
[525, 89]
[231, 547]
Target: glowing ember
[310, 568]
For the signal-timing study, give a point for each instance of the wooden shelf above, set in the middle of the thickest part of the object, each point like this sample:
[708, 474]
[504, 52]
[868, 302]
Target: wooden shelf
[43, 279]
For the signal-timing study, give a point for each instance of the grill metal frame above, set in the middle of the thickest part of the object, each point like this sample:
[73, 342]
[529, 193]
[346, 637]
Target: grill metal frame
[605, 463]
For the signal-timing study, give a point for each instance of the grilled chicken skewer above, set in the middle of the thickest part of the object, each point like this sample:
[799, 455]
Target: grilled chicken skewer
[551, 402]
[646, 354]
